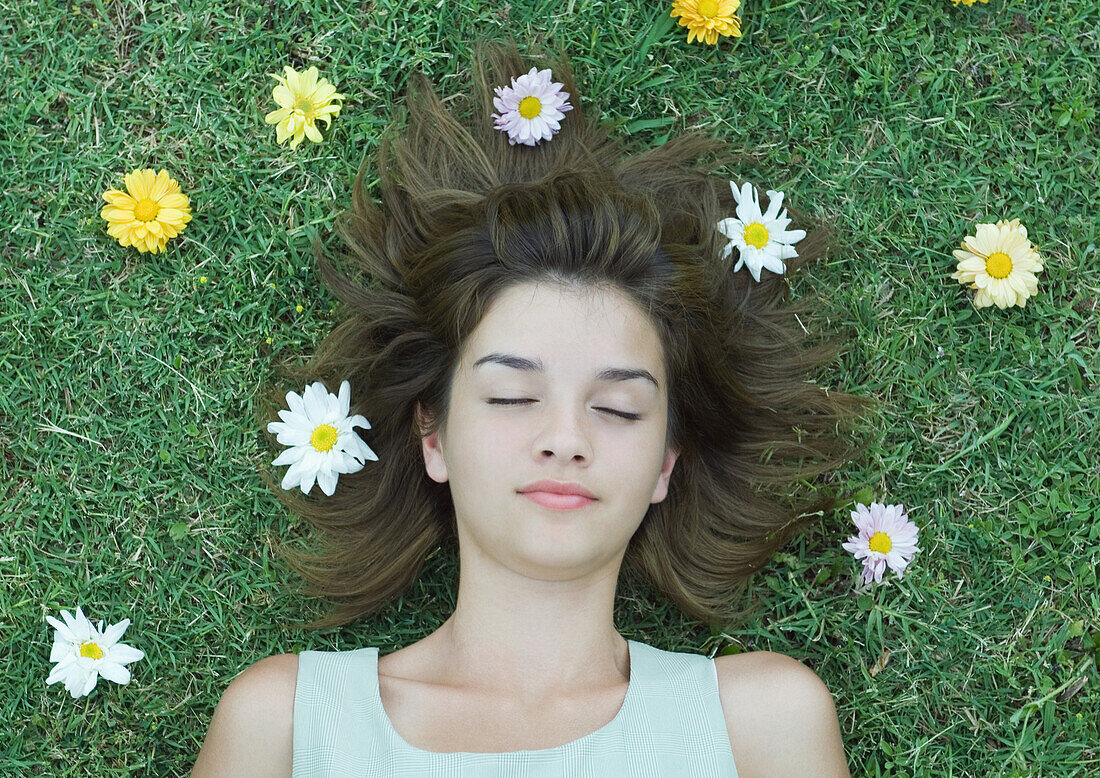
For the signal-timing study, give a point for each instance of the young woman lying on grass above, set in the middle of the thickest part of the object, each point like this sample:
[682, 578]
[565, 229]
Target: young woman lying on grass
[554, 314]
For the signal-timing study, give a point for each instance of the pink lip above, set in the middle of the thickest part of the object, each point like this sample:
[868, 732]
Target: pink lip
[559, 501]
[558, 487]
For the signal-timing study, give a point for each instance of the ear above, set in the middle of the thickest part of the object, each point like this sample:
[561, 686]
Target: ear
[432, 447]
[661, 490]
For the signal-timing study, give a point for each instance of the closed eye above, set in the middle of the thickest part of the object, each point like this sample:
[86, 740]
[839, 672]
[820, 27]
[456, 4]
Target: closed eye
[621, 414]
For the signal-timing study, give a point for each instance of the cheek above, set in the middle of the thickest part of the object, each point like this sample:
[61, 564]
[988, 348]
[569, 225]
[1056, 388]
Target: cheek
[497, 436]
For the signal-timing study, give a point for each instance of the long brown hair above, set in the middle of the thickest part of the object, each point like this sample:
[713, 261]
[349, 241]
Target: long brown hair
[465, 216]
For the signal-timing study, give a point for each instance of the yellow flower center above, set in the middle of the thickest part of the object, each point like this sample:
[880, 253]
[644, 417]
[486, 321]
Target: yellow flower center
[756, 234]
[707, 8]
[880, 542]
[530, 107]
[324, 437]
[91, 650]
[998, 264]
[146, 210]
[305, 107]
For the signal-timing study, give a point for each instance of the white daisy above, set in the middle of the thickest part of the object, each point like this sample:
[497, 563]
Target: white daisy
[83, 653]
[531, 109]
[762, 240]
[886, 537]
[321, 437]
[1000, 263]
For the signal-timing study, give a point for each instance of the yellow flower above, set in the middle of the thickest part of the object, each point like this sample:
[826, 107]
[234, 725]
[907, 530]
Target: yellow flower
[1000, 263]
[305, 100]
[707, 19]
[968, 2]
[148, 213]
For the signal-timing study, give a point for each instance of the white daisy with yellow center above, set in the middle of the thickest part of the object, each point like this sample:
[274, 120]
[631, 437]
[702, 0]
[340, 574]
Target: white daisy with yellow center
[322, 438]
[1000, 263]
[886, 538]
[762, 239]
[83, 653]
[531, 109]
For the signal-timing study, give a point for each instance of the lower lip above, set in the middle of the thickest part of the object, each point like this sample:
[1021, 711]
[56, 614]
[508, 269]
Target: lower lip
[559, 501]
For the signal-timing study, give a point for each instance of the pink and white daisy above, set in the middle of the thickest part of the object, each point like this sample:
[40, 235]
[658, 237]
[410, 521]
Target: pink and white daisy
[886, 538]
[531, 109]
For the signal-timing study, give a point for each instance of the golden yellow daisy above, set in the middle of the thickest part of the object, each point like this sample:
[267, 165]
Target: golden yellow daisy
[968, 2]
[707, 19]
[304, 100]
[148, 213]
[1000, 263]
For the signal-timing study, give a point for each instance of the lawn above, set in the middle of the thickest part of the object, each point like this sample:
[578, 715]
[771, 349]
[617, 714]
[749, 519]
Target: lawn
[131, 455]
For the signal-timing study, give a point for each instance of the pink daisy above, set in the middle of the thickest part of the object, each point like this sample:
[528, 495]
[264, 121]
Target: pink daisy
[531, 108]
[886, 538]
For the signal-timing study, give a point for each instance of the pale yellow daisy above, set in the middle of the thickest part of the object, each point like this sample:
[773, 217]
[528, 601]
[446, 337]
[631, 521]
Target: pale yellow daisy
[149, 213]
[304, 100]
[707, 19]
[1000, 263]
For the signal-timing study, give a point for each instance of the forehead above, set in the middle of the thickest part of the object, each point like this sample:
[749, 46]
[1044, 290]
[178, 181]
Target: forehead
[567, 328]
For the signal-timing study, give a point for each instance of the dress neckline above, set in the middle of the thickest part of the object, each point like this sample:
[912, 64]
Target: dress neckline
[628, 700]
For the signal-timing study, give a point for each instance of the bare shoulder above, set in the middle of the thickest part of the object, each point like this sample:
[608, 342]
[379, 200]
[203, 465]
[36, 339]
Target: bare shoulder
[767, 697]
[252, 727]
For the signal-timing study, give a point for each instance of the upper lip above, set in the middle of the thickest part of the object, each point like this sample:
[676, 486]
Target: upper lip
[557, 487]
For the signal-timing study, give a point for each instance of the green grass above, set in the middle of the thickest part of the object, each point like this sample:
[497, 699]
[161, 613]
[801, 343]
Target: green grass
[129, 481]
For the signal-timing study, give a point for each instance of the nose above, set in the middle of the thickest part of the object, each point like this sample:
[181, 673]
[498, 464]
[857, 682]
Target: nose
[563, 435]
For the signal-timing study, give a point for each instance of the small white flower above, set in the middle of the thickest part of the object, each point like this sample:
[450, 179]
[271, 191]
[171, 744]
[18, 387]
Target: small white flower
[886, 537]
[531, 109]
[762, 239]
[83, 653]
[322, 438]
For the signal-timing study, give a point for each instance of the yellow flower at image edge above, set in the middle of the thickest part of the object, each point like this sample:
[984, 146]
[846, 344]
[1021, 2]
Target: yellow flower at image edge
[149, 213]
[707, 19]
[304, 100]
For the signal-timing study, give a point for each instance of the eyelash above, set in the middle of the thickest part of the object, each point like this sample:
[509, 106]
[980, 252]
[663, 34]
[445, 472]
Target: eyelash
[620, 414]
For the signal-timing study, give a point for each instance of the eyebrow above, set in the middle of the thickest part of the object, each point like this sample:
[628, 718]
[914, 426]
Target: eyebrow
[606, 374]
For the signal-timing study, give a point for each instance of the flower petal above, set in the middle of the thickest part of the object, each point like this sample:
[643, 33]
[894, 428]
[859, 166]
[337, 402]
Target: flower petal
[162, 185]
[276, 116]
[307, 83]
[113, 671]
[136, 184]
[283, 96]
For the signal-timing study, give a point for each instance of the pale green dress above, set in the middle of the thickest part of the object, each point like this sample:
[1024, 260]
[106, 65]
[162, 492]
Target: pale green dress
[670, 725]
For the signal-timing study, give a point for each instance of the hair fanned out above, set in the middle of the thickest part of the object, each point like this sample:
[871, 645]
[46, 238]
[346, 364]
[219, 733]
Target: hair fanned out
[465, 216]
